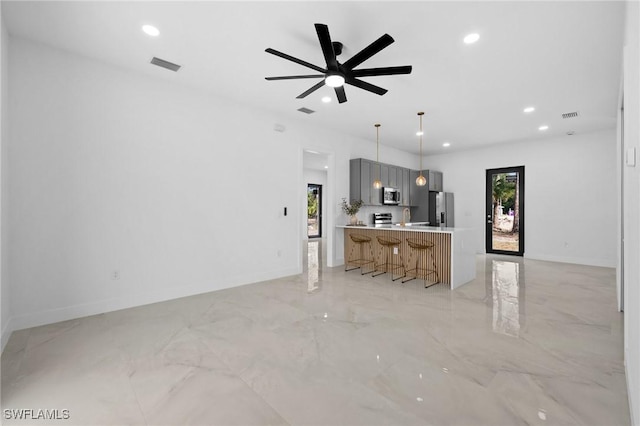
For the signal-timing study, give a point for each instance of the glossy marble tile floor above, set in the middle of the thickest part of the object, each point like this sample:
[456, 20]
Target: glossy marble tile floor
[527, 342]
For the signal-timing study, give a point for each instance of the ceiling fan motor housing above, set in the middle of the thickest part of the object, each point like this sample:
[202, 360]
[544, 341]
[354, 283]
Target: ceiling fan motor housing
[337, 48]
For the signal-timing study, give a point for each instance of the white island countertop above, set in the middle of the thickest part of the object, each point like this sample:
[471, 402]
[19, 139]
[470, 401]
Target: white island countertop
[415, 228]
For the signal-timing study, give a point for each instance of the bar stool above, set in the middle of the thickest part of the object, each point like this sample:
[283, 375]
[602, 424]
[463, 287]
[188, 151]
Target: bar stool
[425, 263]
[360, 240]
[388, 245]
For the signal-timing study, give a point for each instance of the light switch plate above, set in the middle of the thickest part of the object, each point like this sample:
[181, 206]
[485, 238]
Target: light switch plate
[630, 158]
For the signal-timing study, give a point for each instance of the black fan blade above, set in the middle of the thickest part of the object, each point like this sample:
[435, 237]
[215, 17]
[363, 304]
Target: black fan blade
[294, 77]
[366, 86]
[310, 91]
[369, 72]
[369, 51]
[327, 47]
[342, 97]
[296, 60]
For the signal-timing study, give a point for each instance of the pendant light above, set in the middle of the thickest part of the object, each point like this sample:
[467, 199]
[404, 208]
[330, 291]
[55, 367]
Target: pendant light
[421, 180]
[377, 184]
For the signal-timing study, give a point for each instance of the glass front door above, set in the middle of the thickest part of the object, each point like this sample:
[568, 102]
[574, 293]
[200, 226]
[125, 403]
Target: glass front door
[505, 211]
[314, 210]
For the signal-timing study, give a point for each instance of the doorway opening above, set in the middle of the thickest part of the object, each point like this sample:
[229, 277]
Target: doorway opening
[505, 211]
[314, 210]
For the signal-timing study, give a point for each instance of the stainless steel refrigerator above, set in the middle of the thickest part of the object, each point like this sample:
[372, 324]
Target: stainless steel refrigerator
[441, 209]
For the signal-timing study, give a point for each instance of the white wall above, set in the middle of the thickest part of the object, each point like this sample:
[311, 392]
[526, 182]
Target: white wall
[631, 185]
[112, 171]
[5, 306]
[570, 199]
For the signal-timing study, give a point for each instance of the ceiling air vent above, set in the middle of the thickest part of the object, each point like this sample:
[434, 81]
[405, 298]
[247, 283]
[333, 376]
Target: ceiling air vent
[306, 110]
[165, 64]
[570, 114]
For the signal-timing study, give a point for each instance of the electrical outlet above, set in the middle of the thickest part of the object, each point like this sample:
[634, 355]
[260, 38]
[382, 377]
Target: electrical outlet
[115, 274]
[395, 250]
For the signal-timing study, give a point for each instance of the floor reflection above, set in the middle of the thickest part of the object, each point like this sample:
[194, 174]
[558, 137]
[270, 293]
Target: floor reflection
[507, 296]
[314, 264]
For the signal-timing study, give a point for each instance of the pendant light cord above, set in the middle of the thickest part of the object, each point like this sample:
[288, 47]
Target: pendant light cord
[378, 148]
[420, 114]
[377, 143]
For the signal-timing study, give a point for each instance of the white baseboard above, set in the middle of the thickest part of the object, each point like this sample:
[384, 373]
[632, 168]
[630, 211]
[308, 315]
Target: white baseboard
[6, 333]
[78, 311]
[605, 263]
[633, 399]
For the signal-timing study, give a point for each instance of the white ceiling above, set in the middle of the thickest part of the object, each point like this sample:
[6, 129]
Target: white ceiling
[557, 56]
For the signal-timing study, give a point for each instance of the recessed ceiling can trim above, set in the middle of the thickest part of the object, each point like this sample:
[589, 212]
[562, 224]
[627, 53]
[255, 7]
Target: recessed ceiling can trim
[151, 30]
[471, 38]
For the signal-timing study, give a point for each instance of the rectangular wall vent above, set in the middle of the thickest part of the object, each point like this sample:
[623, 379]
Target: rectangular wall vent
[165, 64]
[570, 114]
[306, 110]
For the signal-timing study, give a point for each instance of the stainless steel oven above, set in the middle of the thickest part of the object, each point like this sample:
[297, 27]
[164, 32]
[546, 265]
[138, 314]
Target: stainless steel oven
[381, 219]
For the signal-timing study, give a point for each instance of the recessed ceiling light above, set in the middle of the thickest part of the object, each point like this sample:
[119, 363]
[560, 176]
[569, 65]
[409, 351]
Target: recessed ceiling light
[446, 144]
[326, 167]
[312, 152]
[151, 30]
[419, 133]
[529, 109]
[545, 127]
[472, 38]
[326, 99]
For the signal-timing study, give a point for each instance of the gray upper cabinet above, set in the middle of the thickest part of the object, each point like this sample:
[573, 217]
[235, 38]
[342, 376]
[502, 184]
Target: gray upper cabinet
[393, 177]
[419, 198]
[405, 188]
[434, 181]
[362, 173]
[384, 174]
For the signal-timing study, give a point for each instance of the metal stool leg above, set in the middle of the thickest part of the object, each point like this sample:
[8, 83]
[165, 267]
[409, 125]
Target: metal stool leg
[385, 253]
[360, 261]
[388, 255]
[435, 270]
[399, 266]
[422, 249]
[415, 268]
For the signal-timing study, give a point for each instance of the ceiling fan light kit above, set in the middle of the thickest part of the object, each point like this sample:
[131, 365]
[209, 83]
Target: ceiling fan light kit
[337, 74]
[334, 80]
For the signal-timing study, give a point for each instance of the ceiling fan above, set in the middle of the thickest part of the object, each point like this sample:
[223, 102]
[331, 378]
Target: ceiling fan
[336, 74]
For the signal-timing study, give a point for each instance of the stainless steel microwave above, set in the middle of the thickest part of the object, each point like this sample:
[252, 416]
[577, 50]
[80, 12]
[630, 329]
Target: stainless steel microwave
[390, 195]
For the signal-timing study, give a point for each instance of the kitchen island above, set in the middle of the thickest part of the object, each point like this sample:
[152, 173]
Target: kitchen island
[453, 248]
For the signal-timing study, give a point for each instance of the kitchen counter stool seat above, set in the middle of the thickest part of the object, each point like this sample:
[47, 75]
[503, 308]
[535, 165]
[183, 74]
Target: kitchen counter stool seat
[359, 242]
[425, 264]
[388, 244]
